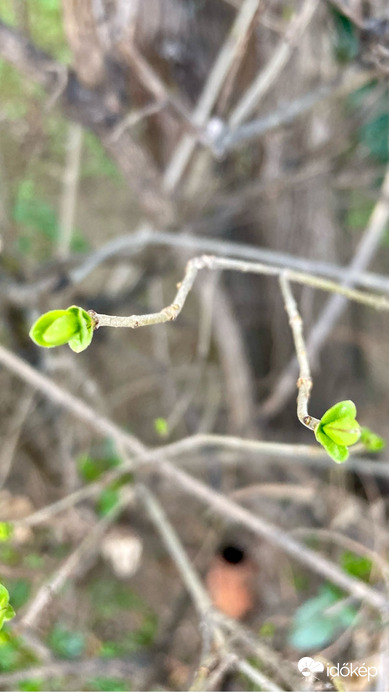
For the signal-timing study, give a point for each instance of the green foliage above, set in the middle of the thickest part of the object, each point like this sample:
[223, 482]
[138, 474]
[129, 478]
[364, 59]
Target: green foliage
[19, 592]
[338, 430]
[102, 684]
[66, 643]
[345, 38]
[111, 601]
[372, 442]
[13, 654]
[320, 620]
[374, 136]
[161, 427]
[357, 565]
[91, 467]
[96, 163]
[73, 326]
[38, 219]
[6, 610]
[31, 685]
[46, 26]
[6, 530]
[108, 499]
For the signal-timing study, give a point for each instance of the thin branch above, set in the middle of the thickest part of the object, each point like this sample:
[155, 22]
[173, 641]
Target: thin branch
[287, 113]
[14, 429]
[69, 190]
[131, 668]
[304, 383]
[235, 40]
[257, 677]
[145, 236]
[250, 100]
[192, 581]
[171, 312]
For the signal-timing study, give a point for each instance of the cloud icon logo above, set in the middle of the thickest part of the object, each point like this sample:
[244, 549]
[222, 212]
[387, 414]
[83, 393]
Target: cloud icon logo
[308, 665]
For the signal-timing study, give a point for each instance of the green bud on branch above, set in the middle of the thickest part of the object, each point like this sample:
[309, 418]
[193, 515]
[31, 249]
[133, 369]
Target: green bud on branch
[73, 326]
[338, 429]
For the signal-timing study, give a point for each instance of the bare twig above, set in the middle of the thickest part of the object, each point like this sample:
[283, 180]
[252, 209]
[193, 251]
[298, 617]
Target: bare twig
[304, 383]
[69, 189]
[257, 676]
[171, 312]
[199, 595]
[15, 427]
[223, 63]
[249, 102]
[288, 112]
[133, 669]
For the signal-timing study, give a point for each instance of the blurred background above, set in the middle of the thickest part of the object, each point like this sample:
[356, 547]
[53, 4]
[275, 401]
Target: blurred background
[134, 136]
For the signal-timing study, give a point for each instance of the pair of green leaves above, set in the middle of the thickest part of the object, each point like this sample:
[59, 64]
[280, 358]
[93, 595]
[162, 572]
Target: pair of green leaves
[73, 326]
[338, 429]
[6, 610]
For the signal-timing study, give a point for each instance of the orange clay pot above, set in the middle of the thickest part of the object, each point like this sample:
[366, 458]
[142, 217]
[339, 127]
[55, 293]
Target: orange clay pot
[230, 582]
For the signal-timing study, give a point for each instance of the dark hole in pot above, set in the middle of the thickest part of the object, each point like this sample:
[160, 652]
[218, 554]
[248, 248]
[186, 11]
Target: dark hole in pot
[232, 554]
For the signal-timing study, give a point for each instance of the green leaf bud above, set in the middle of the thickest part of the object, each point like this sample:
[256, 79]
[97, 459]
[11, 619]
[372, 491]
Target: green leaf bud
[338, 429]
[73, 326]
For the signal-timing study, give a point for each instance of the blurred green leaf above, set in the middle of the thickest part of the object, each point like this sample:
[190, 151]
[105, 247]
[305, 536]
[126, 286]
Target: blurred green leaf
[357, 565]
[107, 500]
[372, 442]
[66, 643]
[161, 427]
[374, 136]
[320, 620]
[19, 592]
[13, 654]
[6, 530]
[345, 38]
[31, 685]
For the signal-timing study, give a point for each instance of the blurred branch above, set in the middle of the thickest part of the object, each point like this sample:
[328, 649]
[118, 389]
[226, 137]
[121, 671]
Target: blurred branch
[250, 100]
[133, 668]
[227, 55]
[192, 581]
[70, 184]
[220, 504]
[348, 81]
[145, 236]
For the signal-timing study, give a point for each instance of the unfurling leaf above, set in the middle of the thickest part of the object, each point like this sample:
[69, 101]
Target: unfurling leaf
[73, 326]
[338, 429]
[372, 442]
